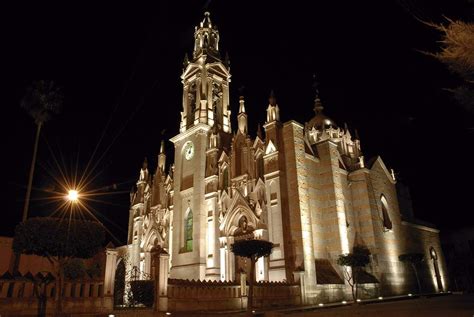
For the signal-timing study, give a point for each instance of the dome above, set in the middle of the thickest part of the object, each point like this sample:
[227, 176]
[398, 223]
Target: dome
[320, 120]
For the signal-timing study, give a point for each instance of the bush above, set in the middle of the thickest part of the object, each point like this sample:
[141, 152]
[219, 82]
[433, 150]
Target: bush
[143, 292]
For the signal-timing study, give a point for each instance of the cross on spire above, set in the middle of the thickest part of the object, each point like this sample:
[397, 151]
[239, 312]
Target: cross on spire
[318, 106]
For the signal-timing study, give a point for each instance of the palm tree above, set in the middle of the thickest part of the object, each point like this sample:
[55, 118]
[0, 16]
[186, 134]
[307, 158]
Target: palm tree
[42, 99]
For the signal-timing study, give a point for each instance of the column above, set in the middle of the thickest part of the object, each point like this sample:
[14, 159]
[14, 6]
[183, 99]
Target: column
[110, 266]
[161, 272]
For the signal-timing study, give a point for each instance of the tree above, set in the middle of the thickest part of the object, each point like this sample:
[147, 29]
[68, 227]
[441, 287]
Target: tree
[414, 259]
[252, 249]
[42, 99]
[353, 264]
[74, 269]
[59, 241]
[457, 53]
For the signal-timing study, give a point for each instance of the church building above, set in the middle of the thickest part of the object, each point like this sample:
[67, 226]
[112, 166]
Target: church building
[306, 187]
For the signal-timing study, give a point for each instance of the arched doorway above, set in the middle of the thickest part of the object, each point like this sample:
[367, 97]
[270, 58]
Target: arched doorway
[119, 284]
[239, 222]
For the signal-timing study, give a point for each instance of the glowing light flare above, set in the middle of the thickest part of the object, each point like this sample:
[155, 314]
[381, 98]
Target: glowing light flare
[73, 195]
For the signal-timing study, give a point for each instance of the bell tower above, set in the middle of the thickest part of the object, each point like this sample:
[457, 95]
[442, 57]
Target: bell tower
[206, 81]
[205, 113]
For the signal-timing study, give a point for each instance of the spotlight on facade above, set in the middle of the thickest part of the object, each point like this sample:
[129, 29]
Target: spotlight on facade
[410, 294]
[358, 300]
[167, 313]
[321, 304]
[380, 297]
[111, 315]
[253, 311]
[344, 302]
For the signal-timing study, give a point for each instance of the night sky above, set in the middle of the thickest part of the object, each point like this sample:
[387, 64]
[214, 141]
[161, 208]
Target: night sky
[119, 67]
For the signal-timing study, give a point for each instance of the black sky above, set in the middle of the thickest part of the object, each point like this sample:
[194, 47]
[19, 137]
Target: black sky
[121, 63]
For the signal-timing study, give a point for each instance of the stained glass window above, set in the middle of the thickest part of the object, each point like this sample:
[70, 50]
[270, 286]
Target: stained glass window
[188, 231]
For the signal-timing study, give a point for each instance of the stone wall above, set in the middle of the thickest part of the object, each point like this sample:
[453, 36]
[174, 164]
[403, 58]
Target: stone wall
[389, 243]
[185, 295]
[421, 239]
[17, 298]
[267, 294]
[331, 293]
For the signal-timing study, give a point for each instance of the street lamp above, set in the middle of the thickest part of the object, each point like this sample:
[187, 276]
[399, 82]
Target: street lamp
[72, 195]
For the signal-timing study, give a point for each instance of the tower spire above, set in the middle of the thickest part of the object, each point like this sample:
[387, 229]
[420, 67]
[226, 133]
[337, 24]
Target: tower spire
[162, 147]
[241, 100]
[143, 171]
[272, 98]
[162, 155]
[206, 39]
[318, 106]
[242, 116]
[273, 111]
[241, 105]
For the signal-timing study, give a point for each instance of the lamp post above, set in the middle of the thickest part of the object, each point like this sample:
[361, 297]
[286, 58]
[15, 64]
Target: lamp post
[72, 195]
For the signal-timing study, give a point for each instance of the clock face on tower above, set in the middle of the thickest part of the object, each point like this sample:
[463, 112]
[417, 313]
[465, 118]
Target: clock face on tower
[188, 150]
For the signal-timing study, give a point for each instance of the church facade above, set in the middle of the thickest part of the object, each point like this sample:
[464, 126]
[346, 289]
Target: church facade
[307, 188]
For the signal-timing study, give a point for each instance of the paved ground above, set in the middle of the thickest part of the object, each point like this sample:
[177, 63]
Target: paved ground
[440, 306]
[443, 306]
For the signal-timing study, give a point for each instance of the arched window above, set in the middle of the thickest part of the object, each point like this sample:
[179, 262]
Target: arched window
[188, 231]
[387, 223]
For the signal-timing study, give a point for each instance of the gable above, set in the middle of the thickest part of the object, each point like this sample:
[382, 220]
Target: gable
[377, 163]
[238, 208]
